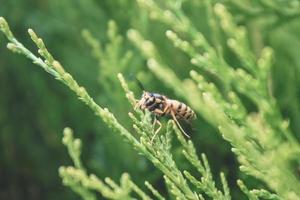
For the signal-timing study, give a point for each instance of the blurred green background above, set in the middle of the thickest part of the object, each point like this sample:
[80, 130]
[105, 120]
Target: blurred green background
[34, 108]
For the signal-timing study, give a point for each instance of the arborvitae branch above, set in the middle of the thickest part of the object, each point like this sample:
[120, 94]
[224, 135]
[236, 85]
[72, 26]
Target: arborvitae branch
[258, 139]
[255, 137]
[158, 152]
[74, 147]
[80, 182]
[154, 191]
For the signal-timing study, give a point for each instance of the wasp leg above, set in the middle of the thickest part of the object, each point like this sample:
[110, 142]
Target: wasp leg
[178, 125]
[166, 109]
[157, 130]
[154, 121]
[158, 111]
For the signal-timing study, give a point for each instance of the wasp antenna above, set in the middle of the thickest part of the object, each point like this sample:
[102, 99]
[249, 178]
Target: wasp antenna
[178, 125]
[139, 83]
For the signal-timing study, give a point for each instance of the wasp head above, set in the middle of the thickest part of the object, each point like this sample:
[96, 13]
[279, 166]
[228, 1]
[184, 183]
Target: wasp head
[143, 101]
[150, 101]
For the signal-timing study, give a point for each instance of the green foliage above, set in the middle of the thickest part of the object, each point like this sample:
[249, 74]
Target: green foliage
[77, 179]
[233, 62]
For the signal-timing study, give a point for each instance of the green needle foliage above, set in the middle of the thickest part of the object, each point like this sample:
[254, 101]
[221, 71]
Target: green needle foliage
[80, 182]
[218, 89]
[157, 152]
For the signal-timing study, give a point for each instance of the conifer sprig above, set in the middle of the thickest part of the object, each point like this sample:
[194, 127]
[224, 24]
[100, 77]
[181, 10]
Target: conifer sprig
[158, 151]
[254, 136]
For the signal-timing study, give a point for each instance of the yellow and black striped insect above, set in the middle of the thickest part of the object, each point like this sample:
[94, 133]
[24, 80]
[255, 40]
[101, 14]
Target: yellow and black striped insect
[161, 105]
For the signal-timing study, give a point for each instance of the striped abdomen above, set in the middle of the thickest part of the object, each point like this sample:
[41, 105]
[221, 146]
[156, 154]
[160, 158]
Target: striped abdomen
[180, 110]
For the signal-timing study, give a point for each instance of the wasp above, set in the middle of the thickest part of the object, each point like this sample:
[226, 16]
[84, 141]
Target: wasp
[161, 105]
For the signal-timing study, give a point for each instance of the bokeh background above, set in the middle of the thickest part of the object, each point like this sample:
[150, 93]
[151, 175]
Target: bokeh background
[34, 108]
